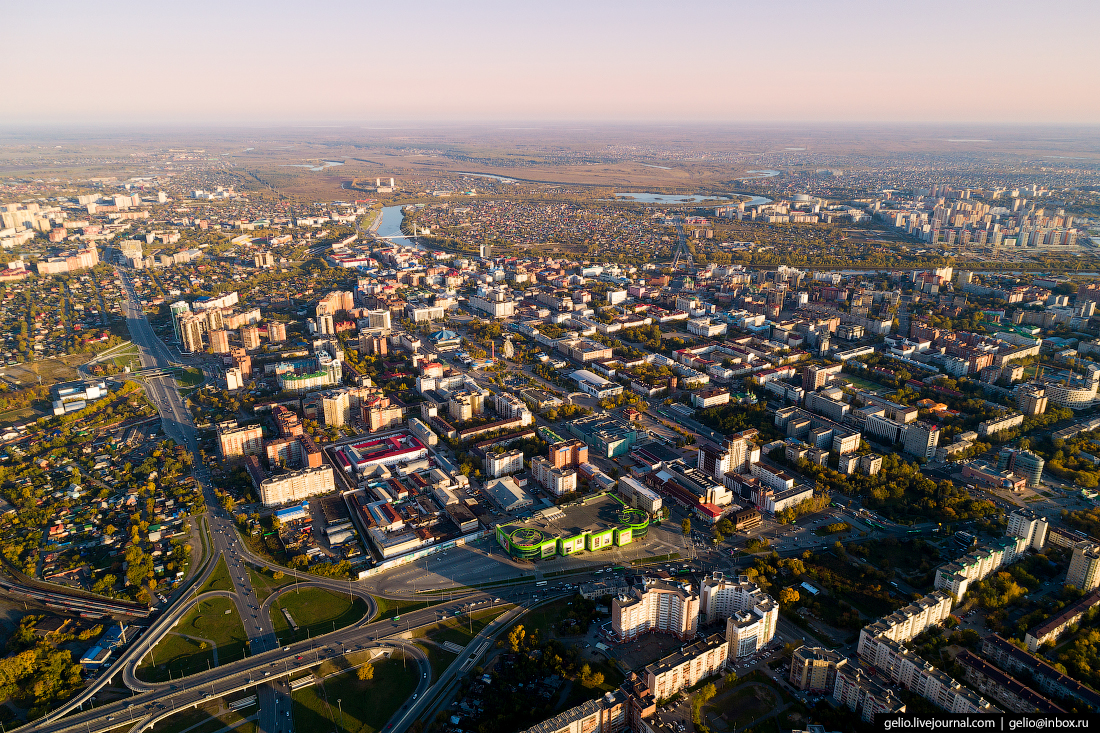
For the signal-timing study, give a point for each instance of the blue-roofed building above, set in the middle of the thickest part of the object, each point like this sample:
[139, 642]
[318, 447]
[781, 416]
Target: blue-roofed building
[445, 339]
[293, 513]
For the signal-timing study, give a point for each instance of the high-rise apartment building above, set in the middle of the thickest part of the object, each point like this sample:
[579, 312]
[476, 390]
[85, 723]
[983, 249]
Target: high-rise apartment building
[219, 342]
[1029, 525]
[687, 667]
[250, 337]
[739, 453]
[658, 606]
[814, 668]
[192, 326]
[235, 441]
[568, 453]
[336, 407]
[921, 439]
[276, 332]
[814, 377]
[178, 309]
[1084, 567]
[242, 359]
[1031, 399]
[234, 380]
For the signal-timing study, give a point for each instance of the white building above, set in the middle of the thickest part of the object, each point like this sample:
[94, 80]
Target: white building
[502, 464]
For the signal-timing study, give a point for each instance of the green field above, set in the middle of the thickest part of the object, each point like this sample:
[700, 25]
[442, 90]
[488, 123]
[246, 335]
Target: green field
[189, 377]
[264, 582]
[461, 629]
[219, 579]
[316, 611]
[367, 705]
[177, 656]
[20, 414]
[543, 617]
[390, 607]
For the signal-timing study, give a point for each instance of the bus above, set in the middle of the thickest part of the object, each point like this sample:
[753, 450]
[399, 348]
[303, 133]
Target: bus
[540, 583]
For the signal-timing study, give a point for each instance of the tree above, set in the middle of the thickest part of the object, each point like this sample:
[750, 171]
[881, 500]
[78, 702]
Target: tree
[366, 672]
[787, 596]
[516, 638]
[685, 526]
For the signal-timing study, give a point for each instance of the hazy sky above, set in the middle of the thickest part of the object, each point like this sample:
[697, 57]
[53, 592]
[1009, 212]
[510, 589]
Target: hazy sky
[316, 62]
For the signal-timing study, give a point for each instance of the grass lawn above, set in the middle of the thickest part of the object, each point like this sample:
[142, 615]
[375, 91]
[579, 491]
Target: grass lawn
[440, 659]
[189, 377]
[205, 719]
[341, 663]
[219, 579]
[264, 582]
[183, 656]
[390, 607]
[367, 705]
[580, 692]
[543, 617]
[458, 630]
[743, 706]
[316, 611]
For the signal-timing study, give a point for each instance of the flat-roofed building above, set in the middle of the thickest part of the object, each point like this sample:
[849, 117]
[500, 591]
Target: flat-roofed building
[240, 440]
[607, 714]
[815, 667]
[297, 485]
[1002, 687]
[863, 693]
[502, 464]
[655, 606]
[1084, 566]
[687, 667]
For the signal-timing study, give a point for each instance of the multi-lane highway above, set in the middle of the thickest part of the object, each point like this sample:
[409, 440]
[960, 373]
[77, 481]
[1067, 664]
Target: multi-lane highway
[271, 669]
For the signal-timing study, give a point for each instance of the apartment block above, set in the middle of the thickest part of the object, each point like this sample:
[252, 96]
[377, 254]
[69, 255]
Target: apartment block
[607, 714]
[502, 464]
[297, 485]
[687, 667]
[655, 606]
[235, 441]
[921, 439]
[907, 670]
[815, 667]
[1084, 566]
[1014, 695]
[1030, 526]
[862, 693]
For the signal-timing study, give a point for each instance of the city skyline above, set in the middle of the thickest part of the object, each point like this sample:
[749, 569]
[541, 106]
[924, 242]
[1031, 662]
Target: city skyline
[348, 64]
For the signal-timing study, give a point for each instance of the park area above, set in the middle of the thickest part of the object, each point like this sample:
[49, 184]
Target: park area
[315, 611]
[344, 702]
[211, 634]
